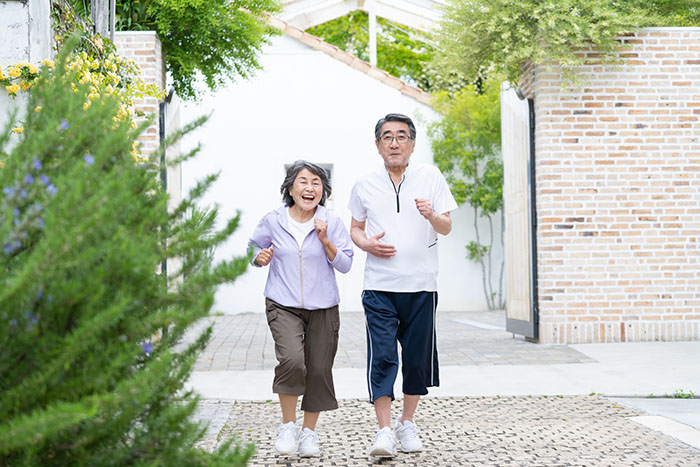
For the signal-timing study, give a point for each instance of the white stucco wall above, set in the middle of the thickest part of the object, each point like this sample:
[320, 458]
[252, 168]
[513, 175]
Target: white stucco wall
[25, 36]
[307, 105]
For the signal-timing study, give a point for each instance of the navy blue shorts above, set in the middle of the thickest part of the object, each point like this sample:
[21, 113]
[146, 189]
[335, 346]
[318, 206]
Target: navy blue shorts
[409, 318]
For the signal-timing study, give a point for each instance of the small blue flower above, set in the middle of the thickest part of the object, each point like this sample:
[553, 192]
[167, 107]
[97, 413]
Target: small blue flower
[40, 222]
[40, 295]
[64, 125]
[28, 179]
[12, 246]
[15, 212]
[23, 194]
[36, 164]
[147, 348]
[49, 297]
[37, 207]
[89, 160]
[8, 191]
[45, 179]
[51, 189]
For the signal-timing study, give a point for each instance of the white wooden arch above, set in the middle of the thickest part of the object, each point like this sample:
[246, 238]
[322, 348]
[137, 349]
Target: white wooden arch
[419, 14]
[422, 15]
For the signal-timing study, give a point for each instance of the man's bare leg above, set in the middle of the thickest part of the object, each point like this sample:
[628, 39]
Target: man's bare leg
[410, 403]
[382, 407]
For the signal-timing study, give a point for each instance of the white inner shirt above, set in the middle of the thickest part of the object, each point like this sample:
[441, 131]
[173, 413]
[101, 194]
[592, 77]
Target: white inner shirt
[299, 229]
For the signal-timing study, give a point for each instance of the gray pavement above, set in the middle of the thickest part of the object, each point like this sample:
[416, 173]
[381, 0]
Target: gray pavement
[502, 400]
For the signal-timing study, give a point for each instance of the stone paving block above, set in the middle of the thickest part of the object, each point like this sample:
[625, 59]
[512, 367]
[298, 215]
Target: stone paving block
[489, 431]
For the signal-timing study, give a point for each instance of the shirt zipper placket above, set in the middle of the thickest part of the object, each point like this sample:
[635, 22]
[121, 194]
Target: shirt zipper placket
[397, 190]
[301, 278]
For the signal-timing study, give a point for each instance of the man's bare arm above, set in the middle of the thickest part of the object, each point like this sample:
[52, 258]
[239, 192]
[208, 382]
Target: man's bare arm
[371, 245]
[442, 223]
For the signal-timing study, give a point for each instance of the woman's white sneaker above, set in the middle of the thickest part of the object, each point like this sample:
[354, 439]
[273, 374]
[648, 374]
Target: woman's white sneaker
[286, 443]
[308, 443]
[407, 434]
[384, 443]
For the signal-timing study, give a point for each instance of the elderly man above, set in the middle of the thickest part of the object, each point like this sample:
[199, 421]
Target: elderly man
[397, 214]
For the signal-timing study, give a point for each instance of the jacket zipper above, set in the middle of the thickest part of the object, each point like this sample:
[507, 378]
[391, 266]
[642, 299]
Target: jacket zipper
[301, 279]
[397, 190]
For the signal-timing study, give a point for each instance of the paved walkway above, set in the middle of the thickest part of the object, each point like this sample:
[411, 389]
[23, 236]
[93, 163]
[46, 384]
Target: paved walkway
[503, 401]
[243, 343]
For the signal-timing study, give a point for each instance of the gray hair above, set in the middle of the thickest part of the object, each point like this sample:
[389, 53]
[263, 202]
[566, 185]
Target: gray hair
[394, 118]
[292, 173]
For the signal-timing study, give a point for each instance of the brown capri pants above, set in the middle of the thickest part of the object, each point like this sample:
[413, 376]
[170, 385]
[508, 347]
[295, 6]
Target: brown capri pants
[306, 342]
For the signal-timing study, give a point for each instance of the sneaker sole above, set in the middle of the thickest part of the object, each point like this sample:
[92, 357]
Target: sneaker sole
[411, 450]
[380, 452]
[280, 453]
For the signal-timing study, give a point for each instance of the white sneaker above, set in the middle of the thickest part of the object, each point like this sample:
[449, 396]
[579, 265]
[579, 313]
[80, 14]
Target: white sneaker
[384, 443]
[308, 443]
[407, 434]
[286, 443]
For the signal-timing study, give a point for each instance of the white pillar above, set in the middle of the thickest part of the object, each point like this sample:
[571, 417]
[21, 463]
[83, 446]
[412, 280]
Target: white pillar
[25, 27]
[372, 34]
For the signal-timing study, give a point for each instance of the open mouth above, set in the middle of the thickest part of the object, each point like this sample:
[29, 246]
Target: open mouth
[308, 197]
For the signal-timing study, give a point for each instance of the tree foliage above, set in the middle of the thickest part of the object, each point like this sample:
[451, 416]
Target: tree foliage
[216, 40]
[402, 51]
[466, 144]
[479, 37]
[88, 325]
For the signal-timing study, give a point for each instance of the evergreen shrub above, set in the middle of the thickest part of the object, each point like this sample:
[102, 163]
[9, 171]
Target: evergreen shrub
[89, 371]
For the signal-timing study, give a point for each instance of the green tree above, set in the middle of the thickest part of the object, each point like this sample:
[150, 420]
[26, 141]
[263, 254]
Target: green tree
[215, 39]
[88, 325]
[466, 145]
[402, 51]
[480, 37]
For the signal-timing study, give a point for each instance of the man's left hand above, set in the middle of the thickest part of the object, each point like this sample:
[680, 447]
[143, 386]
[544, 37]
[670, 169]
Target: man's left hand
[424, 208]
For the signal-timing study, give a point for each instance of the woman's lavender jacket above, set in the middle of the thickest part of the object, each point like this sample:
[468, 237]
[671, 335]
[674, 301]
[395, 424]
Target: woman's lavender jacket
[302, 278]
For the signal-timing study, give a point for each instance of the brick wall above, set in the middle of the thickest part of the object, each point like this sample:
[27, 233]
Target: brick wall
[618, 194]
[143, 47]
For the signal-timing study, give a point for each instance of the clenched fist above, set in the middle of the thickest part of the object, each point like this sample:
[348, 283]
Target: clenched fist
[265, 256]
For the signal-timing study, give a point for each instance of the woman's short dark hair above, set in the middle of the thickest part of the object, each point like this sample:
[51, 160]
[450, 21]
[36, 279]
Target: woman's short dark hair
[394, 118]
[292, 173]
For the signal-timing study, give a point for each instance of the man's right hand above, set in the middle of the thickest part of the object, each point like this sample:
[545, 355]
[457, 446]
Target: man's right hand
[264, 257]
[377, 248]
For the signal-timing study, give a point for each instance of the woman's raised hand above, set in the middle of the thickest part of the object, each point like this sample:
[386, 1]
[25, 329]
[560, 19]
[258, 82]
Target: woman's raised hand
[321, 229]
[265, 256]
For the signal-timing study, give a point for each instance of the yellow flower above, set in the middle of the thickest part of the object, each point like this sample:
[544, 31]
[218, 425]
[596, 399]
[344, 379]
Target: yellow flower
[48, 63]
[32, 68]
[12, 89]
[86, 105]
[25, 85]
[18, 130]
[38, 108]
[13, 72]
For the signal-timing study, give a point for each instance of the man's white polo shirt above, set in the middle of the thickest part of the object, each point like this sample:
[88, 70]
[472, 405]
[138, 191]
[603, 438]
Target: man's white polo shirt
[392, 209]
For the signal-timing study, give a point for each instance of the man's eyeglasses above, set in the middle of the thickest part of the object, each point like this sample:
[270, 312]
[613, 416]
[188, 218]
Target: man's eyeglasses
[401, 139]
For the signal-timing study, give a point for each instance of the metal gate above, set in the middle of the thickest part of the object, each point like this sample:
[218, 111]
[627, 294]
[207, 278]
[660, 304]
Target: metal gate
[517, 130]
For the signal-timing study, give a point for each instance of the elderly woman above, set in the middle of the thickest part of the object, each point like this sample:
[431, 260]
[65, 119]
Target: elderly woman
[304, 244]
